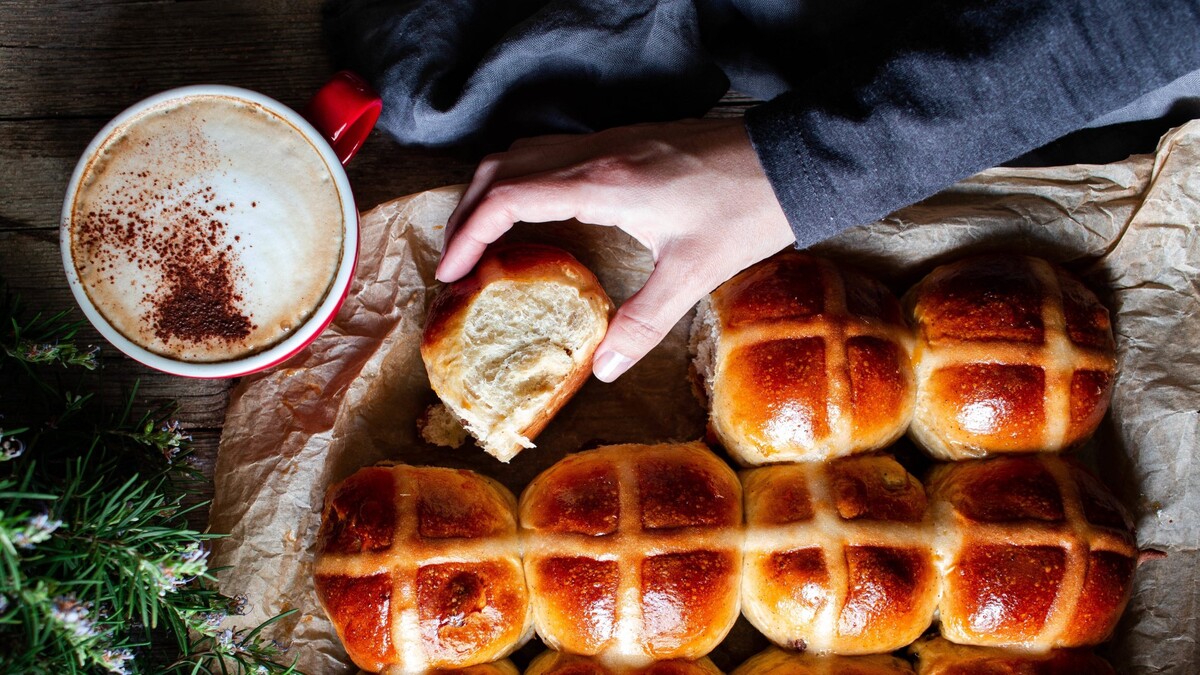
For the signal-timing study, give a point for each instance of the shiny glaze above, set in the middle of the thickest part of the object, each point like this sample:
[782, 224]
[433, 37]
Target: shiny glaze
[1002, 492]
[984, 298]
[361, 607]
[801, 576]
[875, 488]
[1106, 590]
[682, 594]
[451, 505]
[1100, 506]
[1090, 391]
[585, 599]
[782, 391]
[879, 382]
[388, 538]
[461, 606]
[1014, 355]
[778, 288]
[675, 494]
[360, 514]
[1004, 403]
[859, 576]
[1037, 532]
[779, 496]
[812, 362]
[1006, 591]
[882, 581]
[585, 499]
[1088, 323]
[664, 582]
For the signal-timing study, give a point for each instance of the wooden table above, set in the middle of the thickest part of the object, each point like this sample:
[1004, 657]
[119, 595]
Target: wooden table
[68, 66]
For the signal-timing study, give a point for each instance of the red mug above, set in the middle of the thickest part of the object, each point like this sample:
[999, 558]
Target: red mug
[139, 237]
[345, 111]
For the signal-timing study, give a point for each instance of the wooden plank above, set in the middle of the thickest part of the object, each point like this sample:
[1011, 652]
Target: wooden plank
[38, 156]
[78, 58]
[32, 268]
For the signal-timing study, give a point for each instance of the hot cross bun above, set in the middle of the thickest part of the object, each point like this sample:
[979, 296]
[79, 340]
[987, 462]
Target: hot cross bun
[803, 360]
[504, 667]
[1013, 355]
[775, 661]
[559, 663]
[1038, 554]
[508, 345]
[418, 568]
[633, 552]
[838, 557]
[941, 657]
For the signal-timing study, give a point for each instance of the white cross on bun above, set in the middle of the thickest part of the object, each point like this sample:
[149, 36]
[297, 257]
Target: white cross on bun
[419, 568]
[633, 552]
[1036, 553]
[1013, 355]
[803, 360]
[839, 556]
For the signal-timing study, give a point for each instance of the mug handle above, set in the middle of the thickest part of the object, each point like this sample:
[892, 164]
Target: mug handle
[344, 111]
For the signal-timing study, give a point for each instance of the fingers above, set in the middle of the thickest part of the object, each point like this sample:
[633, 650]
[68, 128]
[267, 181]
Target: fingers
[534, 156]
[644, 319]
[540, 198]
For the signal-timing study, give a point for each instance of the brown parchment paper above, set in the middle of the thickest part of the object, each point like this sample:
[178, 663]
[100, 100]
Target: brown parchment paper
[353, 397]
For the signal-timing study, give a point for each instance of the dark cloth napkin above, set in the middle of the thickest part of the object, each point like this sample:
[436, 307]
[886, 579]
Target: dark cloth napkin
[875, 104]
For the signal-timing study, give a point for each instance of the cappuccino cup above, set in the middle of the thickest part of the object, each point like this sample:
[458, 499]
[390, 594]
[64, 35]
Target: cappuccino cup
[210, 231]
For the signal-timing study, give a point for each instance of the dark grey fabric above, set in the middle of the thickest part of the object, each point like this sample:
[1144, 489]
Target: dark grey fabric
[958, 87]
[876, 104]
[454, 72]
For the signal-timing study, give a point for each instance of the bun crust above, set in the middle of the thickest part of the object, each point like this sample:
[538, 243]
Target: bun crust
[504, 667]
[1038, 553]
[839, 557]
[803, 361]
[418, 568]
[633, 552]
[559, 663]
[941, 657]
[775, 661]
[509, 344]
[1013, 355]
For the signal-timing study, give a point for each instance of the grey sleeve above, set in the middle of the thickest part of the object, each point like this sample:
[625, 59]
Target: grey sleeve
[959, 87]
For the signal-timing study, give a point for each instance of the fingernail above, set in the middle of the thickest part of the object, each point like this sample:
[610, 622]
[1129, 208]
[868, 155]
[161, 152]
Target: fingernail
[444, 272]
[610, 365]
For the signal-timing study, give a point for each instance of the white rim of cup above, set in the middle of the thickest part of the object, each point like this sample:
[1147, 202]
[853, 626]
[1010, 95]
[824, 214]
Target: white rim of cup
[299, 338]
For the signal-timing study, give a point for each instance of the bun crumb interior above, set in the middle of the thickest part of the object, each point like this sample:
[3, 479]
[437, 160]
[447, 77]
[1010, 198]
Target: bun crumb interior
[507, 346]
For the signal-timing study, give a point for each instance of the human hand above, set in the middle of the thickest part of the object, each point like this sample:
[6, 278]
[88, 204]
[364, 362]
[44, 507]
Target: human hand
[693, 192]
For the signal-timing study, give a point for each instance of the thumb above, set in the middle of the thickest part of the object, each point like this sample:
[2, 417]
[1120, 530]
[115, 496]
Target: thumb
[642, 322]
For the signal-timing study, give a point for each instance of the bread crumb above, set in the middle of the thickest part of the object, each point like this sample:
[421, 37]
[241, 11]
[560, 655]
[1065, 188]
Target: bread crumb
[439, 426]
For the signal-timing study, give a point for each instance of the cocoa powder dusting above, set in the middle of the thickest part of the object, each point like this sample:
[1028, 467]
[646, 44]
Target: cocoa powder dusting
[200, 303]
[171, 235]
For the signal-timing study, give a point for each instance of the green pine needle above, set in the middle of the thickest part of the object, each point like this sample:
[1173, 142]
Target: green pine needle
[100, 571]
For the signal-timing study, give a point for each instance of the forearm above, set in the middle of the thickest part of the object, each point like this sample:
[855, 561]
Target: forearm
[964, 87]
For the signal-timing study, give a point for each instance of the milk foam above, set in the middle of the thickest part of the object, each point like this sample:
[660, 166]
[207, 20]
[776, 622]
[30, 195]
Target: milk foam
[207, 229]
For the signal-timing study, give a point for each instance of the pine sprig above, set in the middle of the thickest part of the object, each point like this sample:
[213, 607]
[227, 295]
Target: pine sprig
[99, 568]
[43, 339]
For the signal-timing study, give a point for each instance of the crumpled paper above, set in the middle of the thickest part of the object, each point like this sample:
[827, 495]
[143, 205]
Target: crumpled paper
[353, 397]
